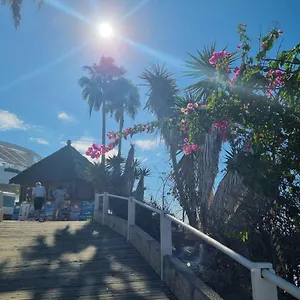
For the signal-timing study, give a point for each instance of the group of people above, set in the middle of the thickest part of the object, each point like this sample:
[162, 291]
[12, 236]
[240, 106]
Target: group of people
[39, 196]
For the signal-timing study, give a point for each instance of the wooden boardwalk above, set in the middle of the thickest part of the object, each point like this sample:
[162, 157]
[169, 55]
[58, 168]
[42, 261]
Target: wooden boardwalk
[72, 260]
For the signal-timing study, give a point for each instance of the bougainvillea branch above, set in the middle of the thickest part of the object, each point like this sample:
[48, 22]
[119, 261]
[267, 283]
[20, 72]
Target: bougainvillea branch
[261, 76]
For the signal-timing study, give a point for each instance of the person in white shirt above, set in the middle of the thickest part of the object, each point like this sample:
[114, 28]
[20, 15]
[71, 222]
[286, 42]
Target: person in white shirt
[59, 195]
[38, 195]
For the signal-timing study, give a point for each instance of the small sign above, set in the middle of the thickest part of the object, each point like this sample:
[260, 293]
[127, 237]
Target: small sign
[24, 211]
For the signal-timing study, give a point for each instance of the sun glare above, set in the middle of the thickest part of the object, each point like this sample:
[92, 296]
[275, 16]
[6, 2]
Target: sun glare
[105, 30]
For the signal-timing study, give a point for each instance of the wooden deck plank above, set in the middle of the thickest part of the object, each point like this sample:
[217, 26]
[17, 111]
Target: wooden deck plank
[72, 260]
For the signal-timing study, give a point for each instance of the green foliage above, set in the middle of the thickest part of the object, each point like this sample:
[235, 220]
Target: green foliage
[263, 132]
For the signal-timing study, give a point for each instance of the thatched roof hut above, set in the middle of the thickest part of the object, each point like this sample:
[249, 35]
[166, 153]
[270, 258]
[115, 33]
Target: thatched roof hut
[66, 167]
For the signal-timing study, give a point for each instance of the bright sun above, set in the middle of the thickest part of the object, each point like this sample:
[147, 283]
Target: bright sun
[105, 30]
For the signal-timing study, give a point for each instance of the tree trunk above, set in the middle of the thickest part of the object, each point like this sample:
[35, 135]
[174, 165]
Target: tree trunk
[121, 125]
[191, 215]
[103, 131]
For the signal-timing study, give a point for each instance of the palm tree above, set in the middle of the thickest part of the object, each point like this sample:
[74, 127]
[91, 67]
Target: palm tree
[98, 87]
[16, 6]
[125, 100]
[194, 175]
[140, 190]
[162, 101]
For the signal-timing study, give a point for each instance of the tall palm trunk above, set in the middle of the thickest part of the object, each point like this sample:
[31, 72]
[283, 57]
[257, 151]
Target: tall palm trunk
[103, 131]
[190, 212]
[121, 125]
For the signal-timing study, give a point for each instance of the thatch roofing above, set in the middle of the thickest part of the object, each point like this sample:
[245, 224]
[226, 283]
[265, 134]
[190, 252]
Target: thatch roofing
[64, 164]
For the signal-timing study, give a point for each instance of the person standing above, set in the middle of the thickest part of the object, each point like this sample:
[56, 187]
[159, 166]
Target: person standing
[38, 194]
[59, 195]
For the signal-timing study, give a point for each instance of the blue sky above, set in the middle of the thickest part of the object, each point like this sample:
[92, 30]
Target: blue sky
[41, 62]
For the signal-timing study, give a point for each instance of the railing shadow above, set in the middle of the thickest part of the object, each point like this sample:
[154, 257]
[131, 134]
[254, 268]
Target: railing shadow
[91, 262]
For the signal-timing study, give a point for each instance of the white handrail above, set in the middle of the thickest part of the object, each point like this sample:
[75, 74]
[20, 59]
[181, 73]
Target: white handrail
[119, 197]
[156, 210]
[282, 283]
[263, 277]
[234, 255]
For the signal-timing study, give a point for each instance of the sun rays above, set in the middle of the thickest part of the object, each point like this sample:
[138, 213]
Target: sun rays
[106, 31]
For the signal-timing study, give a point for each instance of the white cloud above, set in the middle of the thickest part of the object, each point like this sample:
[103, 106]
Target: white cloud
[142, 159]
[65, 117]
[39, 141]
[84, 142]
[148, 144]
[10, 121]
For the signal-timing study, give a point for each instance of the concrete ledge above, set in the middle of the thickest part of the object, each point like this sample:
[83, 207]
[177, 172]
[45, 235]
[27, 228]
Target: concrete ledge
[117, 224]
[148, 247]
[181, 281]
[98, 216]
[184, 284]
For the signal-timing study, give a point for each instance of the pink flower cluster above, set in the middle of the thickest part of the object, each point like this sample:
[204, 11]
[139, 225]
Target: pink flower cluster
[189, 108]
[218, 57]
[189, 148]
[96, 151]
[236, 72]
[223, 127]
[184, 126]
[275, 78]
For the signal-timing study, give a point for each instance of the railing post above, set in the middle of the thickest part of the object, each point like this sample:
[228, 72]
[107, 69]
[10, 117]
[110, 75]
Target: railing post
[130, 216]
[165, 240]
[1, 206]
[105, 206]
[262, 289]
[97, 204]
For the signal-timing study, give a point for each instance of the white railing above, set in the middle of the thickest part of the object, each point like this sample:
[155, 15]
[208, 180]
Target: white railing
[263, 278]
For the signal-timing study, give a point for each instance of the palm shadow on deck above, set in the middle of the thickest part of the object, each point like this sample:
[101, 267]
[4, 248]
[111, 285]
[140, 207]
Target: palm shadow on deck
[86, 262]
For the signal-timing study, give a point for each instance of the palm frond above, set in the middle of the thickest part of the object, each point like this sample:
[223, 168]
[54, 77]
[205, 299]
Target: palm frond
[162, 91]
[16, 6]
[124, 98]
[199, 68]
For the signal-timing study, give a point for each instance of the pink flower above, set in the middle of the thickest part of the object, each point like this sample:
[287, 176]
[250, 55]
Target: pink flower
[213, 60]
[216, 54]
[237, 70]
[203, 106]
[187, 149]
[111, 146]
[186, 140]
[245, 25]
[263, 45]
[196, 105]
[190, 106]
[195, 147]
[186, 111]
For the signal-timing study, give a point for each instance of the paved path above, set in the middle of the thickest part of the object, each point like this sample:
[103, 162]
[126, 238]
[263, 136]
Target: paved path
[72, 260]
